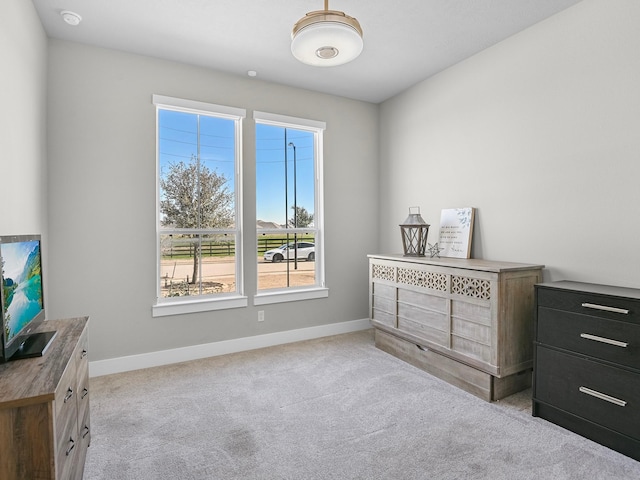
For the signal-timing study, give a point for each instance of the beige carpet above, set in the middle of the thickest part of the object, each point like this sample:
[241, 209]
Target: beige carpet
[332, 408]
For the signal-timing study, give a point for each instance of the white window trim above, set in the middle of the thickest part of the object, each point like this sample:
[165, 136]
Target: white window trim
[292, 294]
[176, 306]
[193, 106]
[288, 121]
[199, 305]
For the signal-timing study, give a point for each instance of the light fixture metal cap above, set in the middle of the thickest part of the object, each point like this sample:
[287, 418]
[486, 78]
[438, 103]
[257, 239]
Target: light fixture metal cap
[326, 16]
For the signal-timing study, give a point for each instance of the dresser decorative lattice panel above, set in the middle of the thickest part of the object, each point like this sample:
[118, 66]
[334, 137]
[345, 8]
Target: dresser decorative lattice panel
[468, 321]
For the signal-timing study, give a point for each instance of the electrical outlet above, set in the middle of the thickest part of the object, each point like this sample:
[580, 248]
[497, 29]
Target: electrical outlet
[261, 315]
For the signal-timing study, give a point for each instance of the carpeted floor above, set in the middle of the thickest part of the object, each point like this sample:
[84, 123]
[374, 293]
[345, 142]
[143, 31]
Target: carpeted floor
[331, 408]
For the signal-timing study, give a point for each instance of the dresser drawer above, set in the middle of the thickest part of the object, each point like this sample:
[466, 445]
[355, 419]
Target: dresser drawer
[83, 391]
[423, 332]
[66, 449]
[430, 318]
[609, 340]
[431, 302]
[65, 398]
[599, 393]
[384, 304]
[587, 303]
[81, 351]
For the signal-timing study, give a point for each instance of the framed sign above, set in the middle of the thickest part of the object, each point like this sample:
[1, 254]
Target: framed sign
[456, 232]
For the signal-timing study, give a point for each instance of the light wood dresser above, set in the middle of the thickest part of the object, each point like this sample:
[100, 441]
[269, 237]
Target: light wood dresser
[44, 408]
[466, 321]
[587, 362]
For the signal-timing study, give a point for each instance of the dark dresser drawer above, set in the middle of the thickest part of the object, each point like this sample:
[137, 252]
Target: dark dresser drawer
[592, 302]
[609, 340]
[596, 392]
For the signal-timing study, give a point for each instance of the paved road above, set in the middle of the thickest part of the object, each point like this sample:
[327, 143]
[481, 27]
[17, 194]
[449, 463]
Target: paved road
[225, 266]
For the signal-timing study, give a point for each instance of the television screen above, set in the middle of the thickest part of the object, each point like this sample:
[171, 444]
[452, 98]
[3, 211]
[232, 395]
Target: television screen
[22, 294]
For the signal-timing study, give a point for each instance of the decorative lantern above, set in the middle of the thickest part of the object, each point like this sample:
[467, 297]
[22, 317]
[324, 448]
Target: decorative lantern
[414, 234]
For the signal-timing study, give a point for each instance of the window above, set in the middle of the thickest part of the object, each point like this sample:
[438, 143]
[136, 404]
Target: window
[198, 206]
[289, 223]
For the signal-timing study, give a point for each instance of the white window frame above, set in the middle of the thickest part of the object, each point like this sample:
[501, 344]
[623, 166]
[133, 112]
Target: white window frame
[319, 290]
[181, 305]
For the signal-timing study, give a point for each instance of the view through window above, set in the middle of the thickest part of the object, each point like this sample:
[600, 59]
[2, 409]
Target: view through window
[287, 203]
[198, 199]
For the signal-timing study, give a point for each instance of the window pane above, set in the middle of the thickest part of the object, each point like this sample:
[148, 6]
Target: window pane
[217, 154]
[285, 177]
[282, 265]
[197, 264]
[197, 171]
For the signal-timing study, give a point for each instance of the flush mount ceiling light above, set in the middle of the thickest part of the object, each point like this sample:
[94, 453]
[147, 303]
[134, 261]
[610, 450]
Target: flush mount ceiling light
[325, 38]
[71, 18]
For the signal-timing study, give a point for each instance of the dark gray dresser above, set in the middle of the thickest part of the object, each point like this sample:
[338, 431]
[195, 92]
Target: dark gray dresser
[587, 362]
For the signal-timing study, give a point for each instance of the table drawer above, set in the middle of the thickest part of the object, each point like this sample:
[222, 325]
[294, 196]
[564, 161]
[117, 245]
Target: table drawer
[601, 306]
[610, 340]
[602, 394]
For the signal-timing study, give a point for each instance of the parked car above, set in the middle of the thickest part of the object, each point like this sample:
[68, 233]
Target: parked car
[305, 251]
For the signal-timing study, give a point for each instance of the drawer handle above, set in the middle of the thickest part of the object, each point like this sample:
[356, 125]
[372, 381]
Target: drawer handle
[85, 392]
[68, 395]
[605, 308]
[617, 343]
[71, 446]
[603, 396]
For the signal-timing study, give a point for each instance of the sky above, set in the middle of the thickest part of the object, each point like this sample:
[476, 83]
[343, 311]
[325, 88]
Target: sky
[178, 141]
[271, 174]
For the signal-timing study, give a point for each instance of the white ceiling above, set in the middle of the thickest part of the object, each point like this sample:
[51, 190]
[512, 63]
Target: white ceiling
[405, 41]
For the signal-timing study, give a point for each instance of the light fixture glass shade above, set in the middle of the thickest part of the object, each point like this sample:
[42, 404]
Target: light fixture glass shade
[326, 39]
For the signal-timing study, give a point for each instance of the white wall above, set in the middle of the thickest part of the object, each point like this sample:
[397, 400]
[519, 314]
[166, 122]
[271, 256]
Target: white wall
[102, 199]
[23, 168]
[541, 133]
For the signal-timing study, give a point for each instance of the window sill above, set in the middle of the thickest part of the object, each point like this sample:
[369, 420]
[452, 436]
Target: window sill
[290, 296]
[195, 306]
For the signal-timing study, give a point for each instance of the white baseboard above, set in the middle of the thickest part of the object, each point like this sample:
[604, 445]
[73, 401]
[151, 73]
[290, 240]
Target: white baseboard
[176, 355]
